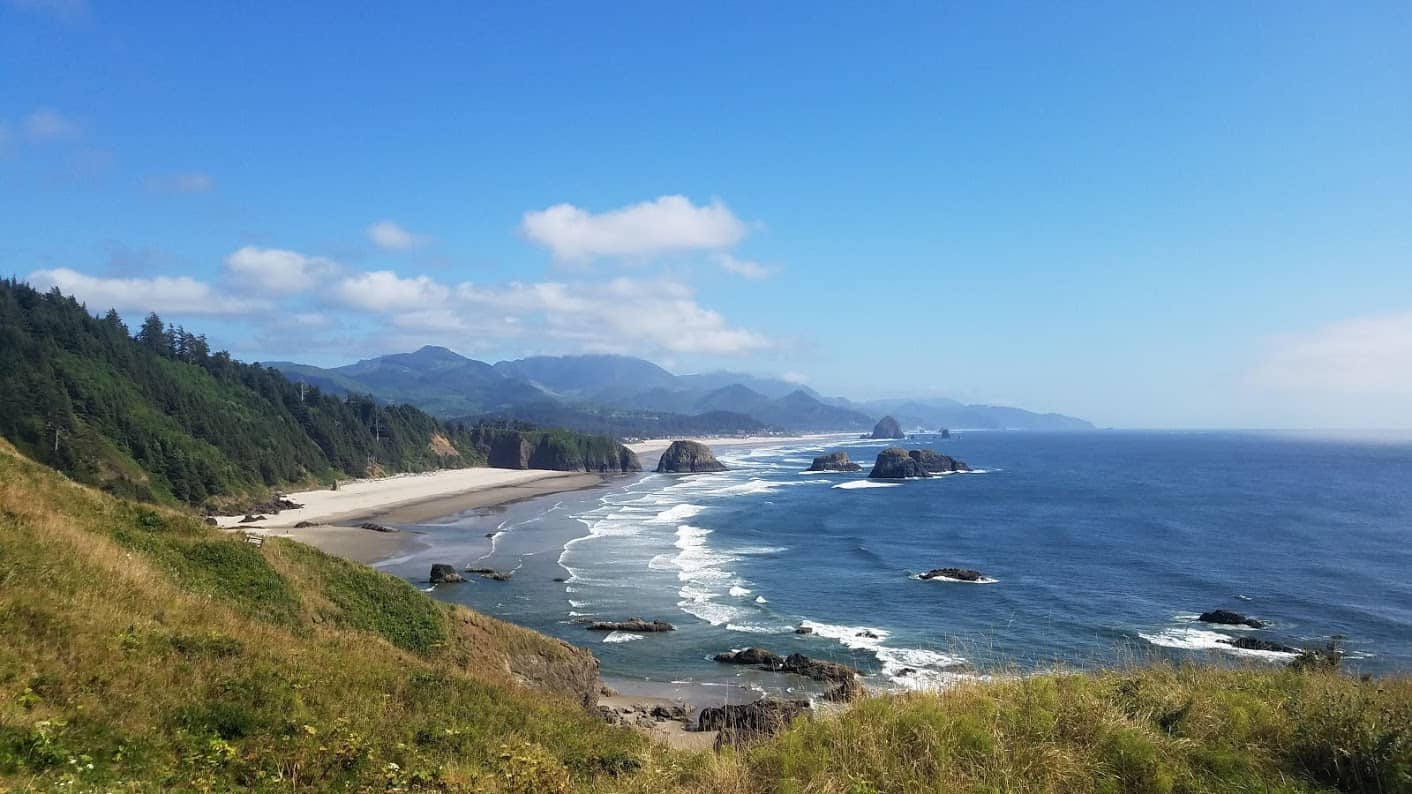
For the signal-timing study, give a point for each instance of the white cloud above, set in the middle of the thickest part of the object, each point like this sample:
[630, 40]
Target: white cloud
[182, 182]
[1360, 357]
[670, 223]
[176, 295]
[795, 377]
[47, 124]
[276, 270]
[385, 291]
[389, 236]
[742, 267]
[621, 315]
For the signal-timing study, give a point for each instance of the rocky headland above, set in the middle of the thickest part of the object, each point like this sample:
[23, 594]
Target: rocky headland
[896, 463]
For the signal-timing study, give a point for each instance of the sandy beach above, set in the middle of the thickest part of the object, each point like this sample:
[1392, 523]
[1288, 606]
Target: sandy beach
[649, 451]
[401, 499]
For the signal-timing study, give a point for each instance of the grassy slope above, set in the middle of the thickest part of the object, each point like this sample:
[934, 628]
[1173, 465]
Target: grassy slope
[169, 656]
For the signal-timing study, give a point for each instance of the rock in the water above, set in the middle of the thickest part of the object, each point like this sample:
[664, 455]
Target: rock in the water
[887, 427]
[248, 519]
[491, 573]
[688, 457]
[1258, 644]
[631, 624]
[944, 433]
[750, 656]
[377, 527]
[895, 464]
[305, 525]
[934, 463]
[817, 669]
[1226, 617]
[867, 635]
[804, 630]
[834, 461]
[963, 574]
[750, 721]
[441, 573]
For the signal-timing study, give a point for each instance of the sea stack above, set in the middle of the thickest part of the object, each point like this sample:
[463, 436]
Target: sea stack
[887, 427]
[935, 463]
[895, 464]
[688, 457]
[834, 461]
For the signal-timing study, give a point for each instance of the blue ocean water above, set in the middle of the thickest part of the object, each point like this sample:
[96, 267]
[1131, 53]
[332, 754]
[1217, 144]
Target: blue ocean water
[1102, 546]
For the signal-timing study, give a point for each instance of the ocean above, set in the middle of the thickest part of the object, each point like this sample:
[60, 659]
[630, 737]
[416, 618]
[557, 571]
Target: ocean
[1098, 548]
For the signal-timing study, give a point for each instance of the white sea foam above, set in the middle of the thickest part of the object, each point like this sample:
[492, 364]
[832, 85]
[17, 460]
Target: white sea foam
[928, 668]
[676, 513]
[760, 600]
[577, 604]
[855, 484]
[738, 591]
[751, 628]
[621, 636]
[1193, 639]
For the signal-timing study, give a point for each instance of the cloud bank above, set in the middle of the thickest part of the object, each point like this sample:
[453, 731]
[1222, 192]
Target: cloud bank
[1361, 357]
[391, 237]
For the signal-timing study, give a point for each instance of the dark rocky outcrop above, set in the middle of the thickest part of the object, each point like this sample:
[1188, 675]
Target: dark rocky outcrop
[631, 624]
[963, 574]
[751, 721]
[250, 519]
[757, 656]
[1258, 644]
[894, 463]
[887, 427]
[834, 461]
[491, 573]
[817, 669]
[934, 463]
[377, 527]
[441, 573]
[849, 690]
[1226, 617]
[944, 433]
[688, 457]
[306, 524]
[804, 630]
[211, 521]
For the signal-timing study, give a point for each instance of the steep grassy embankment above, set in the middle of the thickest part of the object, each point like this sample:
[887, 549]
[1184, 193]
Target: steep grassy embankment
[144, 650]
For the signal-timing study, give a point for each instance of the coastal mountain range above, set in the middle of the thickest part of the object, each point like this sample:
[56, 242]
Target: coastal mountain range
[629, 396]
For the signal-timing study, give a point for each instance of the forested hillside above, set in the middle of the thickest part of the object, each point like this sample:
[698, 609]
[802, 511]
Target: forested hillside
[158, 416]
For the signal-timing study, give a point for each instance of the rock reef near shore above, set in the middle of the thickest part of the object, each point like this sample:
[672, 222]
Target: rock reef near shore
[636, 625]
[688, 457]
[1225, 617]
[512, 449]
[834, 461]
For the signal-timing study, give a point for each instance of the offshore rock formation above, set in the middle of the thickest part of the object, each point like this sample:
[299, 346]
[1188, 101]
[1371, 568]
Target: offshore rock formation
[887, 427]
[834, 461]
[688, 457]
[895, 464]
[1226, 617]
[934, 463]
[637, 625]
[959, 574]
[441, 573]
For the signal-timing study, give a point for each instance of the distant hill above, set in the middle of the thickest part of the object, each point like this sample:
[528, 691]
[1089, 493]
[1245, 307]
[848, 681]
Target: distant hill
[631, 397]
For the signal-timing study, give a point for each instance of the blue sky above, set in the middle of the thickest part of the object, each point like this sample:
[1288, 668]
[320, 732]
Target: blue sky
[1147, 215]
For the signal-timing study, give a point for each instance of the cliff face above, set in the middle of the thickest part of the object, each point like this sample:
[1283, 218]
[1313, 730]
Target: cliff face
[887, 427]
[688, 457]
[513, 449]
